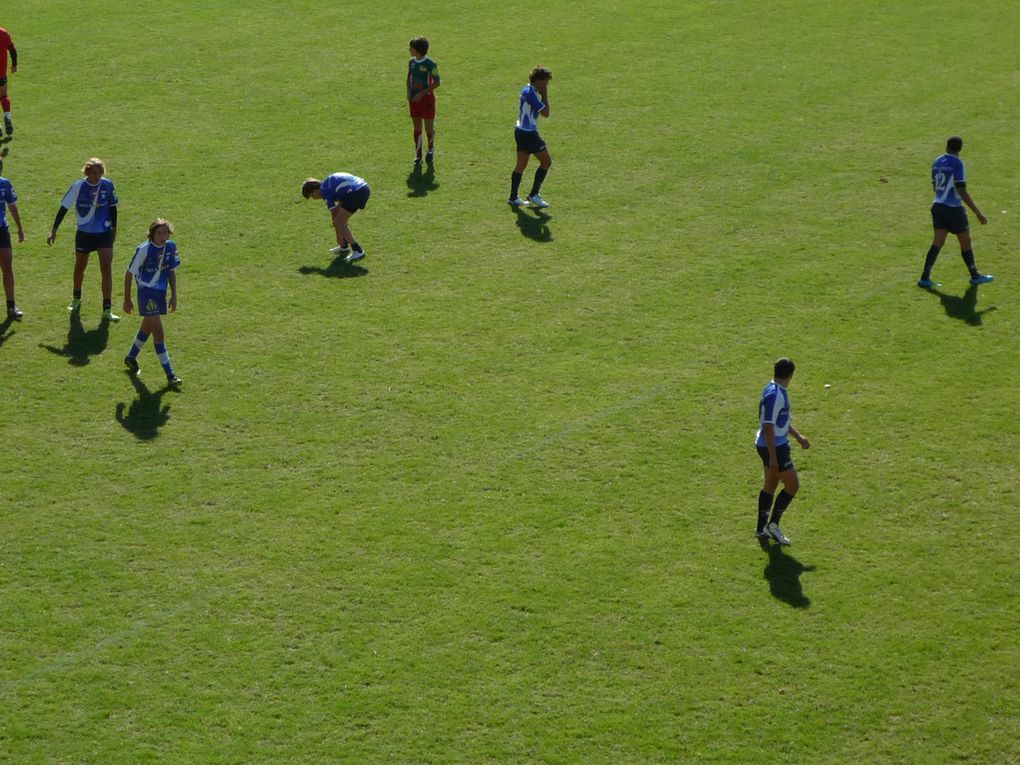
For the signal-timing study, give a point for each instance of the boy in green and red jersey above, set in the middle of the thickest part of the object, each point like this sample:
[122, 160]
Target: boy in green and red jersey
[422, 81]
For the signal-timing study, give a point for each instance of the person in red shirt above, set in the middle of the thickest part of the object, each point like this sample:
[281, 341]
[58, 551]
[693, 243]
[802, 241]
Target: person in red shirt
[7, 46]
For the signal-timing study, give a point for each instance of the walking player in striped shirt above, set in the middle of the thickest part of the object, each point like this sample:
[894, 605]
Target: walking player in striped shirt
[773, 444]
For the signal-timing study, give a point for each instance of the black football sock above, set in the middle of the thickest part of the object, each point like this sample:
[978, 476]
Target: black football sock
[929, 261]
[76, 294]
[968, 258]
[782, 502]
[764, 505]
[540, 175]
[515, 184]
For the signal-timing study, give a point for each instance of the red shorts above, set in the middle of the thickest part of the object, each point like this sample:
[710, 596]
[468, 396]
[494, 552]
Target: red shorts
[424, 108]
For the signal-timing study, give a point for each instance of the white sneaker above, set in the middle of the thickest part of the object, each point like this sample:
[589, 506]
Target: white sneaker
[777, 534]
[537, 200]
[518, 202]
[354, 256]
[340, 249]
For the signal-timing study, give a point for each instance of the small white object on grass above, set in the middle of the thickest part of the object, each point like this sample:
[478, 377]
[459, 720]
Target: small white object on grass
[827, 386]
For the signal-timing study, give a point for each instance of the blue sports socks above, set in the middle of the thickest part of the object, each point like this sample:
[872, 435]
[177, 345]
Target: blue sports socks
[164, 359]
[136, 347]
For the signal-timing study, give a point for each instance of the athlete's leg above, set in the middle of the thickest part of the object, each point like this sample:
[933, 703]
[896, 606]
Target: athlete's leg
[544, 163]
[6, 265]
[106, 272]
[416, 121]
[81, 261]
[938, 239]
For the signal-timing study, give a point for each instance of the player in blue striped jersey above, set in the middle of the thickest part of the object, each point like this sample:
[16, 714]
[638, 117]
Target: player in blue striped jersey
[154, 268]
[534, 101]
[773, 444]
[344, 194]
[94, 200]
[949, 181]
[8, 201]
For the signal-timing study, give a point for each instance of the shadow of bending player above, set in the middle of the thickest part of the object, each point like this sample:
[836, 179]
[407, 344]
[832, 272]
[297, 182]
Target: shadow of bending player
[964, 307]
[421, 183]
[82, 344]
[147, 413]
[534, 226]
[783, 575]
[338, 269]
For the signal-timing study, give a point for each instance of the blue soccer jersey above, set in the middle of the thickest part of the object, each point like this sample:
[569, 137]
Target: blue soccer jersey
[7, 197]
[336, 187]
[531, 105]
[151, 265]
[91, 204]
[774, 408]
[946, 172]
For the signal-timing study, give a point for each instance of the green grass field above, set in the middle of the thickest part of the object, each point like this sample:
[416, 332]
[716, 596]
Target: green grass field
[488, 498]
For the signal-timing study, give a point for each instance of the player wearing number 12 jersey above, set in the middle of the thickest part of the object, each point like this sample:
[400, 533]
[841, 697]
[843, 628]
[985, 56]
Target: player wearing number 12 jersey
[949, 181]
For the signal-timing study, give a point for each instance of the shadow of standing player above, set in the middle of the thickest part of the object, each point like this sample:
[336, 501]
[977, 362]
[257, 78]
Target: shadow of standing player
[82, 345]
[4, 326]
[147, 413]
[534, 226]
[964, 307]
[783, 575]
[421, 183]
[338, 269]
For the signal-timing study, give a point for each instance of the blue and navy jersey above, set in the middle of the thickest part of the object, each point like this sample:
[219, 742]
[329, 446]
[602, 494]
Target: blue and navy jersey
[774, 408]
[531, 105]
[946, 172]
[91, 204]
[151, 265]
[336, 188]
[7, 197]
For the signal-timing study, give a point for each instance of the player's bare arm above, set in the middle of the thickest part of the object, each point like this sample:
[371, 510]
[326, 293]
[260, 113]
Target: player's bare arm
[969, 201]
[804, 443]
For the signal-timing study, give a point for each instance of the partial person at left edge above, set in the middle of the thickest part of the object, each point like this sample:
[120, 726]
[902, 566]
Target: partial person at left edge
[7, 48]
[8, 201]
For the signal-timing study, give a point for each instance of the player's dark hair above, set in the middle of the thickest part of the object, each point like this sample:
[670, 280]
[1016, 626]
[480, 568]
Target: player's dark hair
[954, 144]
[312, 184]
[540, 73]
[159, 223]
[420, 45]
[783, 368]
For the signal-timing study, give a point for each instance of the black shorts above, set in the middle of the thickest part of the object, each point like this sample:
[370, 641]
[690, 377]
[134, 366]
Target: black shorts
[782, 456]
[953, 219]
[5, 238]
[356, 200]
[86, 242]
[529, 140]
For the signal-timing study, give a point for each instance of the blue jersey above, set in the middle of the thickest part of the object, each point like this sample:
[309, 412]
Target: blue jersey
[91, 204]
[7, 197]
[531, 105]
[151, 265]
[946, 172]
[336, 188]
[774, 408]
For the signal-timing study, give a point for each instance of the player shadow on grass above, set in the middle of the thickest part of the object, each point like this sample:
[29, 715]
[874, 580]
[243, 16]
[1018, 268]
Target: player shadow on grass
[534, 226]
[147, 413]
[82, 344]
[963, 307]
[421, 183]
[5, 325]
[338, 269]
[783, 575]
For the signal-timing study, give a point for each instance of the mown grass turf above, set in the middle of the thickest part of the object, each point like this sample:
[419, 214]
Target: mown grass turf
[489, 496]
